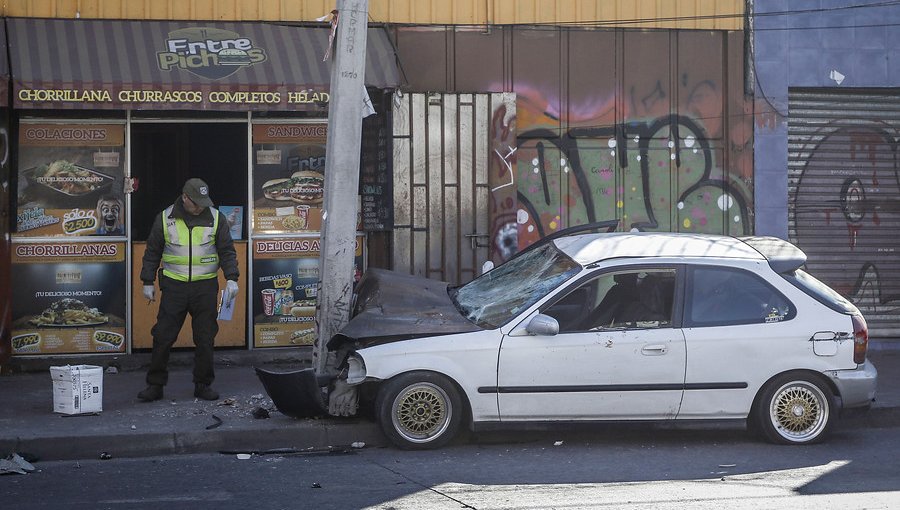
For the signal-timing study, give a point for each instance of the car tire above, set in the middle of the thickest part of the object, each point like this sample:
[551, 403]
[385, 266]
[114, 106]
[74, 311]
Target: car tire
[419, 410]
[795, 409]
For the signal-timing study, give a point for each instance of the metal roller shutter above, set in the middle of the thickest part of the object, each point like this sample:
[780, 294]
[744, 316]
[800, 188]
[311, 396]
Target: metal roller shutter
[844, 195]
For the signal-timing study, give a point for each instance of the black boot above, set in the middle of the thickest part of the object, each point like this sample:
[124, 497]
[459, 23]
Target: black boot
[203, 391]
[151, 393]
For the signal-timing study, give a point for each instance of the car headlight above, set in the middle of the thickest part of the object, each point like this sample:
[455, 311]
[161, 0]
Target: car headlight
[356, 369]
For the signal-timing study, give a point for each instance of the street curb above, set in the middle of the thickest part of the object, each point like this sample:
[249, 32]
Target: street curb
[307, 435]
[296, 437]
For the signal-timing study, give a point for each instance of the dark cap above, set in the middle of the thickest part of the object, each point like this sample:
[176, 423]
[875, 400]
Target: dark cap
[198, 192]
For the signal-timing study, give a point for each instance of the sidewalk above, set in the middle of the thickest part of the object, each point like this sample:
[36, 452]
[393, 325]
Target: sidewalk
[179, 423]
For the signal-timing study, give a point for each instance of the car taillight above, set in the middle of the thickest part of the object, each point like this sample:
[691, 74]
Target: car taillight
[860, 339]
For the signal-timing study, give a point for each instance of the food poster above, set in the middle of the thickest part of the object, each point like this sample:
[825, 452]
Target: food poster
[288, 177]
[285, 279]
[234, 214]
[68, 297]
[71, 180]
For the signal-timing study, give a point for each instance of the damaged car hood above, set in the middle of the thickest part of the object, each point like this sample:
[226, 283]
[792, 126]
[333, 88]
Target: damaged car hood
[392, 306]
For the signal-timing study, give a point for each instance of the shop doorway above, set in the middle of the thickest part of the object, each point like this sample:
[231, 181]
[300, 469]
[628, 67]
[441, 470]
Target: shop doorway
[164, 156]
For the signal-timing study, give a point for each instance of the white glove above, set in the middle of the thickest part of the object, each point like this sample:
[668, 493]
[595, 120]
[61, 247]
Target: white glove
[150, 292]
[231, 290]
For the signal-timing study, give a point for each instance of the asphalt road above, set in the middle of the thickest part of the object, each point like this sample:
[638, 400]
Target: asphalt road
[608, 467]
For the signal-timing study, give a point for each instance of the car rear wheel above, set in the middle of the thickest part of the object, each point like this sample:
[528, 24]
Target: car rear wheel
[419, 410]
[795, 409]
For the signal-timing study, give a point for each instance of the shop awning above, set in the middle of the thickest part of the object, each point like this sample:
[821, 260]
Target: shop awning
[164, 65]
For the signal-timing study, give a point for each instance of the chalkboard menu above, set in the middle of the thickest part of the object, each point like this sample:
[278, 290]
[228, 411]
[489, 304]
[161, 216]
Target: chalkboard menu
[375, 186]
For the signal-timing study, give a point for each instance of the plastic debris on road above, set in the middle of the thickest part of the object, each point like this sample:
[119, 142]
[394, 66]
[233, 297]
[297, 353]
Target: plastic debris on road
[15, 464]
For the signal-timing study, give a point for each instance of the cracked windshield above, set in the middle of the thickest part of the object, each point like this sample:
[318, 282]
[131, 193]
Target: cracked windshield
[497, 296]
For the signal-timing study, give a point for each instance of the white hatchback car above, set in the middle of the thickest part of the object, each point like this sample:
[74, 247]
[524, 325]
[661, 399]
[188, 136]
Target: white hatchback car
[617, 326]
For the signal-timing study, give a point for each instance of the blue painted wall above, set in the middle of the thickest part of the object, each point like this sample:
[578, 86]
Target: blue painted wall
[797, 44]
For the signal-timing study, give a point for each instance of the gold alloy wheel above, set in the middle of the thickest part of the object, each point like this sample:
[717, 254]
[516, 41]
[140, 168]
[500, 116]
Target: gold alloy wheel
[421, 412]
[799, 411]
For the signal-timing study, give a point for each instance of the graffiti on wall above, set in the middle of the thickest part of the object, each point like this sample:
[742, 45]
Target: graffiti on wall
[502, 181]
[845, 215]
[656, 171]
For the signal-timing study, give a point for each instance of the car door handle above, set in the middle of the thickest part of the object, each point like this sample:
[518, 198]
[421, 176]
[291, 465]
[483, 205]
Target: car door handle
[654, 350]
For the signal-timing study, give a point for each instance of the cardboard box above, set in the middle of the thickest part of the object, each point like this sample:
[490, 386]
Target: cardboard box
[77, 389]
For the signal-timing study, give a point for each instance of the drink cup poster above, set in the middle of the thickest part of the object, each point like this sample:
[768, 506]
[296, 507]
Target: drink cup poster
[71, 180]
[288, 177]
[68, 297]
[285, 279]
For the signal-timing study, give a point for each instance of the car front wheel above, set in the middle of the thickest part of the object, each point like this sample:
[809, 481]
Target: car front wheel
[795, 409]
[419, 410]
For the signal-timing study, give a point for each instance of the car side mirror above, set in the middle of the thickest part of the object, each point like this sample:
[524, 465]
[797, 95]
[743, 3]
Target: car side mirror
[542, 325]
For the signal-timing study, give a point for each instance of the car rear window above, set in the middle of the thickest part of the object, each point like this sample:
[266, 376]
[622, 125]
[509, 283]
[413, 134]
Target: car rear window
[820, 291]
[725, 296]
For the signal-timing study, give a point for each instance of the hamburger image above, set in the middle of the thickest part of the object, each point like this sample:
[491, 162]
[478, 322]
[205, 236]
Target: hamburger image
[278, 189]
[308, 187]
[233, 57]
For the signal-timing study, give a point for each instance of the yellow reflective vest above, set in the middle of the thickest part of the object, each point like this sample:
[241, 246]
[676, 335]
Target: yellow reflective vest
[189, 254]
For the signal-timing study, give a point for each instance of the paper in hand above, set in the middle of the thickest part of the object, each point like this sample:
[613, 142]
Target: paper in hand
[226, 310]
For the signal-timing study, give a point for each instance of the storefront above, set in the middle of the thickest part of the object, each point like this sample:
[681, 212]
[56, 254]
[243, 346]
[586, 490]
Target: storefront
[111, 117]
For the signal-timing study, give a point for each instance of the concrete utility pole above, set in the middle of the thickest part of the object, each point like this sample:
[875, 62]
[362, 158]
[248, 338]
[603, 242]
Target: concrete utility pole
[342, 148]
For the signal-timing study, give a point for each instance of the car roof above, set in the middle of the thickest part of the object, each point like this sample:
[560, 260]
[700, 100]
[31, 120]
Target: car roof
[589, 248]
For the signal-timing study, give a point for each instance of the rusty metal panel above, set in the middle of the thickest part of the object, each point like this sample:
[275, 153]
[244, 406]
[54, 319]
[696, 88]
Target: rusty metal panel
[435, 177]
[402, 183]
[592, 77]
[402, 250]
[481, 227]
[420, 207]
[451, 207]
[417, 110]
[467, 165]
[401, 115]
[450, 139]
[402, 186]
[452, 242]
[419, 254]
[647, 82]
[402, 171]
[424, 50]
[482, 124]
[537, 78]
[844, 195]
[478, 60]
[447, 158]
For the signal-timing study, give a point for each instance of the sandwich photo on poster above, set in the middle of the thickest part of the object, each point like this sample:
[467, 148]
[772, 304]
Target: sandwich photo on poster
[288, 177]
[68, 297]
[71, 180]
[285, 283]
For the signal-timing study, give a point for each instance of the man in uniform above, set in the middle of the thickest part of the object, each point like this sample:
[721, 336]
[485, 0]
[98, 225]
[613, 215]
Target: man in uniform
[191, 240]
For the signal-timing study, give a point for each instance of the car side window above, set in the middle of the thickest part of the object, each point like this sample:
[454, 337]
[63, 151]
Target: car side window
[719, 296]
[624, 299]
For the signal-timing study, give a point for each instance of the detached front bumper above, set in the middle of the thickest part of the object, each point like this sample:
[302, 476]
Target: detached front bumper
[856, 387]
